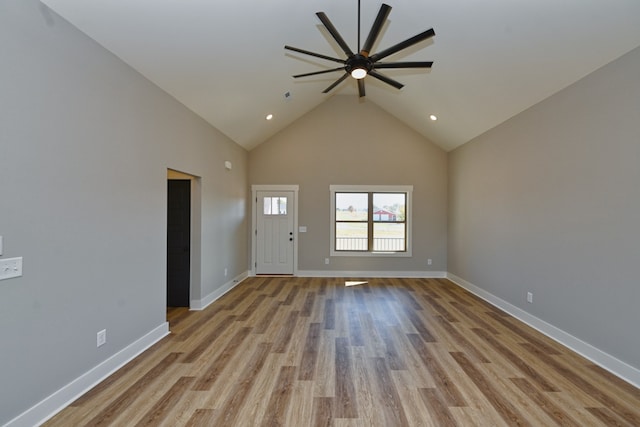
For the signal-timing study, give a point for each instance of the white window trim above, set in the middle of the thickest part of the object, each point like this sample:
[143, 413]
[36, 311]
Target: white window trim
[408, 189]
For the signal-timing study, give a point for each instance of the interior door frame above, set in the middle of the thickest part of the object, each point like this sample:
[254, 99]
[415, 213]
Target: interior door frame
[254, 222]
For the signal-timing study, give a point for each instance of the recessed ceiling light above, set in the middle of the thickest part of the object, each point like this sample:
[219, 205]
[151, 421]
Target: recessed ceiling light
[433, 117]
[269, 116]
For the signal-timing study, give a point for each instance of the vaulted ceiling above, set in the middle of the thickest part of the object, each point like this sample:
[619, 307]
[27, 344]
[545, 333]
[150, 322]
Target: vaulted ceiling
[225, 60]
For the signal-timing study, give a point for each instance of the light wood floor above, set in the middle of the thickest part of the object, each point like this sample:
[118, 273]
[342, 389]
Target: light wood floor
[394, 352]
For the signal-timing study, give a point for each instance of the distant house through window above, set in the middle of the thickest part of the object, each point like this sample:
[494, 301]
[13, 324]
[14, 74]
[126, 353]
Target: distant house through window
[384, 215]
[370, 220]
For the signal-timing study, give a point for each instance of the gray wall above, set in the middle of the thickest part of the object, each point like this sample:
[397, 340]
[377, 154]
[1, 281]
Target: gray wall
[353, 142]
[549, 202]
[85, 143]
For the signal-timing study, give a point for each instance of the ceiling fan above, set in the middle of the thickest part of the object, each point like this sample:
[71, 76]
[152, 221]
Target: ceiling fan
[361, 64]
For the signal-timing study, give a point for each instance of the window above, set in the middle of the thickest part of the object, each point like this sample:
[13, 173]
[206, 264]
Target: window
[370, 220]
[275, 205]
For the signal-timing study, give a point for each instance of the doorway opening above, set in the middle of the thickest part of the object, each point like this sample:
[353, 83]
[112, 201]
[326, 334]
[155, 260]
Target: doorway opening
[183, 237]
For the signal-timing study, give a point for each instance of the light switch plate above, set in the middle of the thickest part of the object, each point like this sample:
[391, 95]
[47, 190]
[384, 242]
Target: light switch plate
[10, 267]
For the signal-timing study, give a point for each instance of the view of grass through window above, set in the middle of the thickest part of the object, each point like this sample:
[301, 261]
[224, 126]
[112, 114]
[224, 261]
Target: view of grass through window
[374, 222]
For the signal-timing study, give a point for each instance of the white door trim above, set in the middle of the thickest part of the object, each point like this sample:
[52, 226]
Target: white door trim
[254, 221]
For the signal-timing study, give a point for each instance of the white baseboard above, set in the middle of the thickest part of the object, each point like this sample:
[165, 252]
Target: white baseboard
[595, 355]
[47, 408]
[201, 304]
[382, 274]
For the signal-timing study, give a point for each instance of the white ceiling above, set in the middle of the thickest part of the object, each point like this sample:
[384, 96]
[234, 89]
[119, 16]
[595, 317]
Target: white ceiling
[225, 60]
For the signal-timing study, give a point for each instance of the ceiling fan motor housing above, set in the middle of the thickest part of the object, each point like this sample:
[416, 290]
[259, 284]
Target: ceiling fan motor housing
[358, 61]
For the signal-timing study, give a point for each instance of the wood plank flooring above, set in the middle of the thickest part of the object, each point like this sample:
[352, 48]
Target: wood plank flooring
[393, 352]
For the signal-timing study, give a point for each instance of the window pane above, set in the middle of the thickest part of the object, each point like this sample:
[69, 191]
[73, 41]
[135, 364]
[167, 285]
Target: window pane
[389, 237]
[282, 205]
[351, 236]
[266, 202]
[389, 206]
[352, 206]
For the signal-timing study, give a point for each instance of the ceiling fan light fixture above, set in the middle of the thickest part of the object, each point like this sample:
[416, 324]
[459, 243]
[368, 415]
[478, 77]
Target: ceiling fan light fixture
[358, 73]
[358, 66]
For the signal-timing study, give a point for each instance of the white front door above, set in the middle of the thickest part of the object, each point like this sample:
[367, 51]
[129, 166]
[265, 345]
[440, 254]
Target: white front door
[274, 232]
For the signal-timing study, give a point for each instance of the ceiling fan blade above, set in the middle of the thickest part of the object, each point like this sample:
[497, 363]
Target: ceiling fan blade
[318, 72]
[383, 13]
[417, 64]
[386, 79]
[334, 33]
[317, 55]
[403, 45]
[361, 87]
[336, 83]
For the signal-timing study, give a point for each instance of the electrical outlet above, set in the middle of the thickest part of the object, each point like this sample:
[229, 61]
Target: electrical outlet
[529, 297]
[225, 272]
[101, 338]
[429, 261]
[326, 261]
